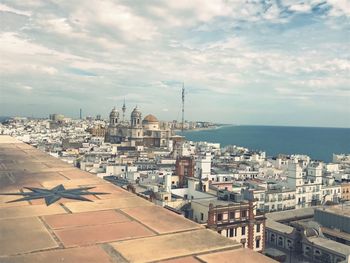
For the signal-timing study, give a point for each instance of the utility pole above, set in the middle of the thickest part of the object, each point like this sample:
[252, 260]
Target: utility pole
[183, 107]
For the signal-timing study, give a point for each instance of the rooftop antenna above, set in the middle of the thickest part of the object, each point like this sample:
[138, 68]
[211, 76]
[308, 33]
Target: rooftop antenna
[183, 107]
[124, 109]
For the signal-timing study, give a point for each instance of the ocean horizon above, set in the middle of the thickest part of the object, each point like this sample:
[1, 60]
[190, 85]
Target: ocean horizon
[318, 142]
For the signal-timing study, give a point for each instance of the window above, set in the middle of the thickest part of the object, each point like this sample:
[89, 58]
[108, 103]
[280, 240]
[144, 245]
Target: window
[272, 238]
[258, 228]
[219, 217]
[243, 230]
[231, 232]
[257, 243]
[202, 216]
[232, 215]
[280, 241]
[244, 213]
[166, 198]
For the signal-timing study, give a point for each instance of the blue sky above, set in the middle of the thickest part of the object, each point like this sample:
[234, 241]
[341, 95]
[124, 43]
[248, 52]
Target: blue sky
[283, 62]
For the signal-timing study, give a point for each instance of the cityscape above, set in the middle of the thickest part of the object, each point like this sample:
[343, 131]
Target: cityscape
[179, 131]
[289, 207]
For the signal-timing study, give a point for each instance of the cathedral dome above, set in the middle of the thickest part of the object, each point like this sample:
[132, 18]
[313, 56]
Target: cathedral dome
[150, 118]
[114, 113]
[136, 113]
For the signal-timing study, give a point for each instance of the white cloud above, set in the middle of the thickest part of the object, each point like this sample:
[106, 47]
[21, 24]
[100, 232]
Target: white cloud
[138, 50]
[27, 87]
[303, 8]
[5, 8]
[339, 7]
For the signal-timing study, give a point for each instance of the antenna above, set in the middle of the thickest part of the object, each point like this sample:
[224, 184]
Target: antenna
[183, 107]
[124, 109]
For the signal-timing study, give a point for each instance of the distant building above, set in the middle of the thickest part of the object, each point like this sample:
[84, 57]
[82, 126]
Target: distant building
[145, 132]
[238, 221]
[341, 158]
[98, 131]
[184, 168]
[345, 191]
[203, 166]
[56, 117]
[335, 222]
[303, 234]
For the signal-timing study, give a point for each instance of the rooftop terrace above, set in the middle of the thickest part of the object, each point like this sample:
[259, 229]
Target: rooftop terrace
[113, 227]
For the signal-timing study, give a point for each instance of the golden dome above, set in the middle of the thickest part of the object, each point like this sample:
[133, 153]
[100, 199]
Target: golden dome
[150, 118]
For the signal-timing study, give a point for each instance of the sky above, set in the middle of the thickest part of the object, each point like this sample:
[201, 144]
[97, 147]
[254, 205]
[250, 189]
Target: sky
[260, 62]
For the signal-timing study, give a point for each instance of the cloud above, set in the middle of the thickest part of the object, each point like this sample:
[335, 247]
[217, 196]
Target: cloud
[230, 54]
[5, 8]
[27, 87]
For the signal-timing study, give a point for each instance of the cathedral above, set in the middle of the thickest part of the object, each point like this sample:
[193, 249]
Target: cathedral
[147, 132]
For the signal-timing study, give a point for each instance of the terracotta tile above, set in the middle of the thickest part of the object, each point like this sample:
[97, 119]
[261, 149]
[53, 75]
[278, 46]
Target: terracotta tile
[31, 210]
[90, 254]
[84, 219]
[76, 174]
[47, 176]
[112, 190]
[71, 183]
[22, 235]
[181, 260]
[105, 204]
[63, 200]
[6, 198]
[173, 245]
[242, 255]
[101, 233]
[8, 140]
[160, 219]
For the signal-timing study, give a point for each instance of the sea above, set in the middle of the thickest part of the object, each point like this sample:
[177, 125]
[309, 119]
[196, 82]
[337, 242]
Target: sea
[318, 143]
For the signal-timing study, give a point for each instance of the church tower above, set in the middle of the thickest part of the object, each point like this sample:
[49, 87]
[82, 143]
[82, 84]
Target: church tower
[136, 125]
[113, 118]
[112, 129]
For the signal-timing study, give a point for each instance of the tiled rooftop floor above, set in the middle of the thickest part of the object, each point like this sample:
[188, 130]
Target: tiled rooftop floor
[119, 227]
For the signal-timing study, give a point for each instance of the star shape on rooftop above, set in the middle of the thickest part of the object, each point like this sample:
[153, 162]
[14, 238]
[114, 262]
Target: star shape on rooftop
[53, 195]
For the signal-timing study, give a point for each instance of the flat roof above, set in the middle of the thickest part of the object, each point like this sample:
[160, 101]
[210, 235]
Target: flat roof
[340, 210]
[276, 226]
[215, 202]
[336, 233]
[114, 227]
[293, 214]
[330, 245]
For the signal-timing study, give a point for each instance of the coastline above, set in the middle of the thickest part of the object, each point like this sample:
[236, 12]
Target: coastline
[215, 127]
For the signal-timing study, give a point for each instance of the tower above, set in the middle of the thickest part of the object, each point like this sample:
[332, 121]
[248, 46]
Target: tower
[113, 118]
[124, 109]
[183, 106]
[136, 125]
[295, 175]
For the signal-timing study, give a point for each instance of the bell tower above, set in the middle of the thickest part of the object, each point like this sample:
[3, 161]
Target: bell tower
[136, 125]
[113, 118]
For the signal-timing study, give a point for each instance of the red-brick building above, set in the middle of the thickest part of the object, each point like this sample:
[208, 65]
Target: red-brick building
[184, 168]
